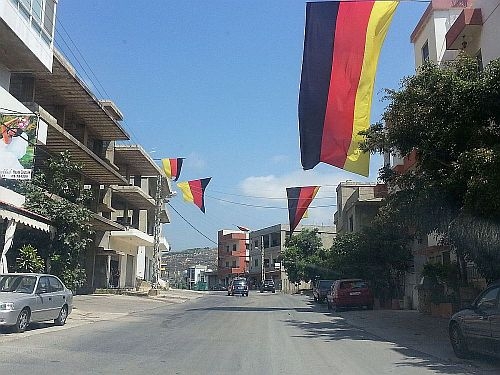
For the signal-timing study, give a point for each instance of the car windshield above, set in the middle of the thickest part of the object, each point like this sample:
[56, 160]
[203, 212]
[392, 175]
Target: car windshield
[355, 284]
[240, 282]
[17, 284]
[325, 284]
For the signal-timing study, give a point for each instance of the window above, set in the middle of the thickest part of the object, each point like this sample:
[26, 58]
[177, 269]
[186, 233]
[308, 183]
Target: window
[227, 248]
[488, 299]
[55, 285]
[227, 264]
[351, 224]
[256, 262]
[40, 14]
[43, 285]
[234, 263]
[266, 263]
[234, 247]
[256, 243]
[425, 51]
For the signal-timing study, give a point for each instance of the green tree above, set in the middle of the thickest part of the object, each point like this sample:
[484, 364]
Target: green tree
[28, 260]
[449, 117]
[58, 194]
[304, 257]
[379, 254]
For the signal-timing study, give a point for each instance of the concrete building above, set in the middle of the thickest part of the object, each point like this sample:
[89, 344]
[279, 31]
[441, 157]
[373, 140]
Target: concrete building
[37, 79]
[232, 255]
[265, 248]
[357, 205]
[196, 278]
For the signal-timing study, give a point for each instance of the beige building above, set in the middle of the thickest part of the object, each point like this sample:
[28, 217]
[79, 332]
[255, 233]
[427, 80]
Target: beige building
[37, 79]
[265, 248]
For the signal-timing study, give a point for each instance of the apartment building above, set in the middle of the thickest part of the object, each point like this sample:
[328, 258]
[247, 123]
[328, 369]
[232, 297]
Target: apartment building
[357, 205]
[232, 255]
[265, 248]
[37, 79]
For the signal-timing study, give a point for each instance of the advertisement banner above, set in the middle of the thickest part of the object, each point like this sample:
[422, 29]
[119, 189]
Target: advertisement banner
[17, 145]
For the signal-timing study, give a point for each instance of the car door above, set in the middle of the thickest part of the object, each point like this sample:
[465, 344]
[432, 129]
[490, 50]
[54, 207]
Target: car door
[42, 306]
[495, 329]
[477, 326]
[57, 297]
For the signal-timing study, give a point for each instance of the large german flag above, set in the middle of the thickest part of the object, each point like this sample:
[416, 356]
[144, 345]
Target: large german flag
[172, 167]
[299, 198]
[341, 49]
[194, 191]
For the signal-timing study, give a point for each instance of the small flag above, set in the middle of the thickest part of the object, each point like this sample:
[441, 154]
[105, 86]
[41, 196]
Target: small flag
[243, 229]
[172, 167]
[299, 199]
[194, 191]
[341, 49]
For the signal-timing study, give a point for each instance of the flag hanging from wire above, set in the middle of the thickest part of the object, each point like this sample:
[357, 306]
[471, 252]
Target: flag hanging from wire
[299, 199]
[341, 49]
[194, 191]
[172, 167]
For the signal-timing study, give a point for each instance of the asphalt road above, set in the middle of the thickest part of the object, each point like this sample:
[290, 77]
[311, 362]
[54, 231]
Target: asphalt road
[215, 334]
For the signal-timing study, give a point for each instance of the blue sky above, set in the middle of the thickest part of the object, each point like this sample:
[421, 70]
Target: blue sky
[217, 82]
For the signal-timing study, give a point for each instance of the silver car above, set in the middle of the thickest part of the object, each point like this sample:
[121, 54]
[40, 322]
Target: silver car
[33, 297]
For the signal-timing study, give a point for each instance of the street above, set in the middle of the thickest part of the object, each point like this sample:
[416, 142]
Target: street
[216, 334]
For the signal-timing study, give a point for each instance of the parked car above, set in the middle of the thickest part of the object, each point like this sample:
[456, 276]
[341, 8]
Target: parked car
[477, 328]
[268, 286]
[238, 286]
[28, 298]
[320, 289]
[348, 293]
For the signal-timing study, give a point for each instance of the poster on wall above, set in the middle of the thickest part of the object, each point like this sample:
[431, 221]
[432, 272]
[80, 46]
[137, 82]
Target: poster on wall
[17, 145]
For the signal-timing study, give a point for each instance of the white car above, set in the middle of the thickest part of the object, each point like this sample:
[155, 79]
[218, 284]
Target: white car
[33, 297]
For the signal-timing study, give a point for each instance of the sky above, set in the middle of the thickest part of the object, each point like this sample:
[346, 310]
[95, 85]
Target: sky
[217, 82]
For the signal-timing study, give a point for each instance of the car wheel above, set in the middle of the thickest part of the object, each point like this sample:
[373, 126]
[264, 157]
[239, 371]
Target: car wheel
[458, 342]
[23, 321]
[274, 291]
[63, 314]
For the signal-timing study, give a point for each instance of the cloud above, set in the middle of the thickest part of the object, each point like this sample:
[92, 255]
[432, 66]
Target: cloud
[273, 188]
[194, 162]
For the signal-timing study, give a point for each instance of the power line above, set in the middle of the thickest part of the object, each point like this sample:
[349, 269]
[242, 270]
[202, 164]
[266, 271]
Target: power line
[191, 225]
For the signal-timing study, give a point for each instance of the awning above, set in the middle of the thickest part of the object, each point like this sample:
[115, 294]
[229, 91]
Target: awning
[25, 217]
[133, 237]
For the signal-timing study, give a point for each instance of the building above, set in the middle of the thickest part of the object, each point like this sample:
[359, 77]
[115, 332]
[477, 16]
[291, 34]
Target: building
[37, 80]
[196, 278]
[357, 205]
[232, 255]
[265, 248]
[447, 28]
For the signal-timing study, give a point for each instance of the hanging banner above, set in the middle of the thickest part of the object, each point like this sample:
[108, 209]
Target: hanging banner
[17, 145]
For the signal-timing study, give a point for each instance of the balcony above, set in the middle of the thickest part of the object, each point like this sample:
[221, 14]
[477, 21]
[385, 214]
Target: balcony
[134, 196]
[59, 140]
[466, 29]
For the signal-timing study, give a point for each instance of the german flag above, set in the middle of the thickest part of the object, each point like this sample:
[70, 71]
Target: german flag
[299, 198]
[194, 191]
[172, 167]
[341, 49]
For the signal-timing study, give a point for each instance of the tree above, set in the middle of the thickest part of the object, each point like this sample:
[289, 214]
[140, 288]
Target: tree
[449, 117]
[58, 194]
[304, 257]
[379, 254]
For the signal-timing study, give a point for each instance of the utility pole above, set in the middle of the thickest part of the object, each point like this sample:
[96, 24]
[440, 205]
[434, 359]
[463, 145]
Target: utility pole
[262, 278]
[156, 235]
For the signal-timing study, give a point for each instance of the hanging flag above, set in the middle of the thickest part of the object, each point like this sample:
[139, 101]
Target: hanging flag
[341, 49]
[299, 199]
[193, 191]
[172, 167]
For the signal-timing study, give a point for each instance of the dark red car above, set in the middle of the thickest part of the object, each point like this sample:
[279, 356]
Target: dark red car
[349, 293]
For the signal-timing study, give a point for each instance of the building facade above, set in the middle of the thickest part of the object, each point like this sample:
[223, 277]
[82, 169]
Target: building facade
[36, 79]
[265, 248]
[232, 255]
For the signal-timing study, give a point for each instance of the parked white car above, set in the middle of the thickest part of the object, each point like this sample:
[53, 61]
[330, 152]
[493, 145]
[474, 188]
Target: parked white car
[30, 297]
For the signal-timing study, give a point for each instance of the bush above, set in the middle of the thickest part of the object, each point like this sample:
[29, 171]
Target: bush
[29, 260]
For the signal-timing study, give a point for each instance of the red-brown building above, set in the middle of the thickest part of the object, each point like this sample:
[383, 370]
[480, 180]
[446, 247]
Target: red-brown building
[232, 255]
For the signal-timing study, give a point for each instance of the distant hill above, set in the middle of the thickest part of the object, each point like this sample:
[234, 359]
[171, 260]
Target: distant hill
[177, 262]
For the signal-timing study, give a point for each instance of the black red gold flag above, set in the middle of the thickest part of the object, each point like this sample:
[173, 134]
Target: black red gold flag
[299, 199]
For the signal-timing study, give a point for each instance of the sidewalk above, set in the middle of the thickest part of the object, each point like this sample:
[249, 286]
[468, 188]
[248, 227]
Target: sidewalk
[97, 307]
[414, 330]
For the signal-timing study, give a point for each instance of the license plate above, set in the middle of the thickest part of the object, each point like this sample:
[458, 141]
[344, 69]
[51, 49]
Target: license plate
[354, 293]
